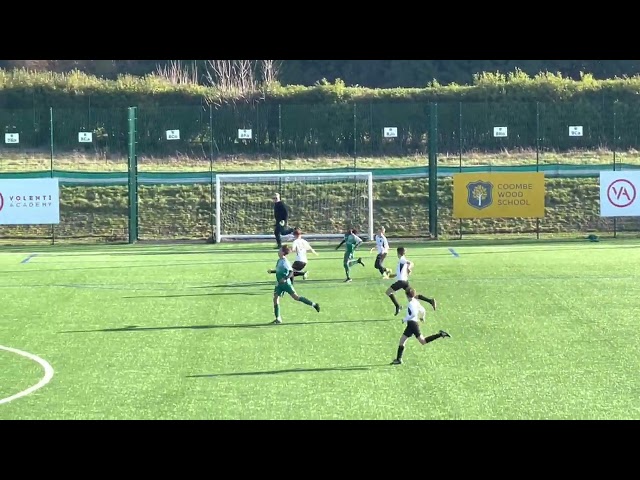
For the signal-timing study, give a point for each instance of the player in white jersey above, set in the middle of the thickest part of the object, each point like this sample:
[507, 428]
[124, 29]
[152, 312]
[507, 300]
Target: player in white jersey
[382, 245]
[415, 314]
[403, 270]
[300, 246]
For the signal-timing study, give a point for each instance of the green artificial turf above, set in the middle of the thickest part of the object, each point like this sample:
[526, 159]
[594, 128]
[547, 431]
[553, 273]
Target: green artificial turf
[541, 330]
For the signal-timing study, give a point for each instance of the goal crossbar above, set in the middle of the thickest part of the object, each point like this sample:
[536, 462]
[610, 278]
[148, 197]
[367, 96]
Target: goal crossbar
[271, 176]
[253, 178]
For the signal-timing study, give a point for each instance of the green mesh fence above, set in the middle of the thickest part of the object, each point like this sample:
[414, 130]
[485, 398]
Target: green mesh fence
[175, 139]
[180, 150]
[625, 130]
[179, 212]
[90, 140]
[79, 140]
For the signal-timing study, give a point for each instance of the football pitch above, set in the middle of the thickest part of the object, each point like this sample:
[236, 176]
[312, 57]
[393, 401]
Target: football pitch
[539, 330]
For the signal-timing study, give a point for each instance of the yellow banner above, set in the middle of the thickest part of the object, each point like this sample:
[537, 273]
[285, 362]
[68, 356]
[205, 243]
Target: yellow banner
[498, 195]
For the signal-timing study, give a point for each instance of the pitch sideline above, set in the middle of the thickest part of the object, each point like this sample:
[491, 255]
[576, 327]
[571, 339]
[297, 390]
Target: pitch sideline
[48, 374]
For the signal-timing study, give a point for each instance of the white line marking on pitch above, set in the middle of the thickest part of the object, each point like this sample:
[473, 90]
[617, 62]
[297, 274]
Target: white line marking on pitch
[48, 374]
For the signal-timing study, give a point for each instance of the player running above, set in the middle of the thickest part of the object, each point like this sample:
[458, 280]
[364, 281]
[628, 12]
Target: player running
[284, 274]
[351, 241]
[415, 314]
[383, 249]
[403, 270]
[300, 246]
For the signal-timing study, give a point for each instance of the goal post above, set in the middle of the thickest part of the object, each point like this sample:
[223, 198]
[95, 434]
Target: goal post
[323, 205]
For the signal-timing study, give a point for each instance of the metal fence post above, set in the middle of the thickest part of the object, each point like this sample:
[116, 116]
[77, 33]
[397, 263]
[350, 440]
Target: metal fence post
[433, 170]
[53, 227]
[133, 177]
[538, 158]
[615, 222]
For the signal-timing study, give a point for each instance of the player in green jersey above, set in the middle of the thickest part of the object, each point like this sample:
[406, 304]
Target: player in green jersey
[284, 273]
[351, 241]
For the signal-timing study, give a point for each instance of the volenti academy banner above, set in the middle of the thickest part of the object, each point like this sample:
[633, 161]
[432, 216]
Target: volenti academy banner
[30, 202]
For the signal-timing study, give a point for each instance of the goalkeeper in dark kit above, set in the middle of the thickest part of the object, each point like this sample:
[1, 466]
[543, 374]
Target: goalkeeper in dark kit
[281, 215]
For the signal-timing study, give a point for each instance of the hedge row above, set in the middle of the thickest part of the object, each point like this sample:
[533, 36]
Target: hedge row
[326, 119]
[185, 212]
[20, 88]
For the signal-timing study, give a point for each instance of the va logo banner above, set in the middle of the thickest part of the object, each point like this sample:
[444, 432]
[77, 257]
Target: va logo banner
[619, 194]
[480, 194]
[1, 202]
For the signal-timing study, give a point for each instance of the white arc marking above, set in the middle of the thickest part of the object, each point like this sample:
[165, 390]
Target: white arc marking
[48, 374]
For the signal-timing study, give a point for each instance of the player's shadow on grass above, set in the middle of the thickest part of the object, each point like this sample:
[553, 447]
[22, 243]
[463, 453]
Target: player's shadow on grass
[134, 253]
[135, 328]
[128, 266]
[237, 285]
[292, 370]
[210, 294]
[517, 251]
[267, 282]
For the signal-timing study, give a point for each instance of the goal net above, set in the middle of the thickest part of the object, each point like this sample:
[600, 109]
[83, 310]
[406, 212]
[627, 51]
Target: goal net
[323, 205]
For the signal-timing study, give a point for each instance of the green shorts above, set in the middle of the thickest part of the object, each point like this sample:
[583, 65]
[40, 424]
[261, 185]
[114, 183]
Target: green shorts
[283, 288]
[347, 257]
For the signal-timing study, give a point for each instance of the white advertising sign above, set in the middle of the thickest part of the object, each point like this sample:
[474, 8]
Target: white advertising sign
[245, 133]
[11, 138]
[30, 202]
[575, 131]
[619, 194]
[499, 131]
[85, 137]
[390, 132]
[173, 134]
